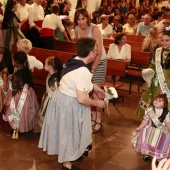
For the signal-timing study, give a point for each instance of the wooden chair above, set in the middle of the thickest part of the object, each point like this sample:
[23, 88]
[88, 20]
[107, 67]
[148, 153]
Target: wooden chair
[139, 60]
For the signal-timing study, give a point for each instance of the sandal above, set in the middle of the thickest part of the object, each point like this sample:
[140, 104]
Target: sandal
[96, 130]
[93, 123]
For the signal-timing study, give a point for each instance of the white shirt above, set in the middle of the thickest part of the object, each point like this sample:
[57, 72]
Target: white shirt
[34, 63]
[77, 79]
[93, 5]
[53, 21]
[22, 11]
[113, 52]
[130, 30]
[106, 31]
[36, 13]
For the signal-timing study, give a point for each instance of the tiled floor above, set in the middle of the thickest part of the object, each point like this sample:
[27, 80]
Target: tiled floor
[112, 148]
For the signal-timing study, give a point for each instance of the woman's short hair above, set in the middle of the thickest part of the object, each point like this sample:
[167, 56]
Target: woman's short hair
[84, 46]
[83, 12]
[24, 45]
[118, 38]
[103, 17]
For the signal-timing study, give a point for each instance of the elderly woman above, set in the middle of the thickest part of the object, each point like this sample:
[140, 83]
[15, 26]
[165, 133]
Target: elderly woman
[120, 50]
[66, 131]
[25, 45]
[86, 29]
[105, 27]
[130, 27]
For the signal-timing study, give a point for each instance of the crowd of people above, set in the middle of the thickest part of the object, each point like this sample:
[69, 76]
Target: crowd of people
[71, 108]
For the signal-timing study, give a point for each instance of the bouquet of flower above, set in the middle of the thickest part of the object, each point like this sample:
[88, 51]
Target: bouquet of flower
[110, 93]
[147, 75]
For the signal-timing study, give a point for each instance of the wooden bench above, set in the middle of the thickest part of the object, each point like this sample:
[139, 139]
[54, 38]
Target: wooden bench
[136, 38]
[71, 46]
[139, 60]
[136, 46]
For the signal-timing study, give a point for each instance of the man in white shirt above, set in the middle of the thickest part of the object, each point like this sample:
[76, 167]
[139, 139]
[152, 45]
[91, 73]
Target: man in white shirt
[36, 17]
[143, 27]
[50, 23]
[22, 13]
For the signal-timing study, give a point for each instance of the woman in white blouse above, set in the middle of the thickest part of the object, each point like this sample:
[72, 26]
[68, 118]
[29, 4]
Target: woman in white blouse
[120, 50]
[130, 27]
[105, 27]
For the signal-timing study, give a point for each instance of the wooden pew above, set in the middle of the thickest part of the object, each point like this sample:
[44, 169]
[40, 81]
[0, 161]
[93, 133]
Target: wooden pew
[71, 46]
[136, 46]
[136, 38]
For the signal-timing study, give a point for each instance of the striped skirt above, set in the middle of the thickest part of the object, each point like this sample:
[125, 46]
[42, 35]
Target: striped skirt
[152, 141]
[100, 72]
[66, 130]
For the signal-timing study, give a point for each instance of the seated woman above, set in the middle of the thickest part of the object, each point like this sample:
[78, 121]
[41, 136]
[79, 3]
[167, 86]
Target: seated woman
[151, 42]
[105, 27]
[116, 25]
[25, 45]
[130, 27]
[21, 106]
[120, 50]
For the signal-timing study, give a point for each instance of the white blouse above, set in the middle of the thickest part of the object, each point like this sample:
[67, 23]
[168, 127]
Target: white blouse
[22, 11]
[36, 13]
[114, 53]
[53, 21]
[77, 79]
[106, 31]
[34, 63]
[130, 30]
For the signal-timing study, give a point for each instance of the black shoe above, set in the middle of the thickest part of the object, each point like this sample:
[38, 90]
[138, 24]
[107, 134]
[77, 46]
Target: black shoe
[146, 157]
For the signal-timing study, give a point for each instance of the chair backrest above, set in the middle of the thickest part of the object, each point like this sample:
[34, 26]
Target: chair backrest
[116, 68]
[140, 58]
[65, 46]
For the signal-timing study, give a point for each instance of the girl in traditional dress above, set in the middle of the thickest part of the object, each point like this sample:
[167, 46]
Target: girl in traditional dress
[153, 134]
[161, 81]
[5, 69]
[22, 104]
[11, 25]
[54, 66]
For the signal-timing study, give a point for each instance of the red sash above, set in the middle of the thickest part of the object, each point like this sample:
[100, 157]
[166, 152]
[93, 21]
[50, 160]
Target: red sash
[47, 32]
[38, 23]
[25, 26]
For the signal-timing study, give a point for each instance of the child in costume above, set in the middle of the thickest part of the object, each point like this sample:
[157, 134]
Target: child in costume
[6, 69]
[54, 66]
[153, 134]
[21, 106]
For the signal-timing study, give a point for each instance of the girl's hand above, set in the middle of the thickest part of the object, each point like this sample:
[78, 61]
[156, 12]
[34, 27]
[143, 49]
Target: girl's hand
[164, 164]
[138, 129]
